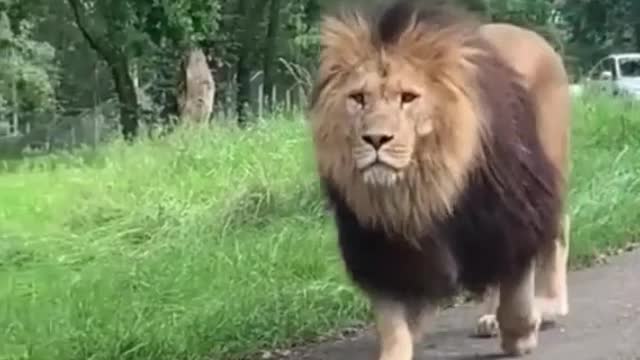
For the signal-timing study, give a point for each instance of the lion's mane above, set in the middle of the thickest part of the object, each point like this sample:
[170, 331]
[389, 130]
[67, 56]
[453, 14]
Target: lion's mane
[480, 198]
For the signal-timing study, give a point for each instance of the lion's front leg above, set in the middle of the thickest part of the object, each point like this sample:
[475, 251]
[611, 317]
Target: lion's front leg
[518, 317]
[394, 329]
[487, 323]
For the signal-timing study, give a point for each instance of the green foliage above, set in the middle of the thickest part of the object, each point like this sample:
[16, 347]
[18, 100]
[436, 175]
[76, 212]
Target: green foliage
[151, 36]
[183, 21]
[27, 69]
[523, 12]
[596, 27]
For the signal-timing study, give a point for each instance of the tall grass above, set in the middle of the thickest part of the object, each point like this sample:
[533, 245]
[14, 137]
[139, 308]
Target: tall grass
[605, 194]
[213, 244]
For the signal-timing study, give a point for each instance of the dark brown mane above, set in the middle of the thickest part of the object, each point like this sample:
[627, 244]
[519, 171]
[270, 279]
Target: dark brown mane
[397, 17]
[389, 19]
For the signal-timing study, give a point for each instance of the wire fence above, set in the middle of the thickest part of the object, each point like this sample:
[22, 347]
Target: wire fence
[44, 133]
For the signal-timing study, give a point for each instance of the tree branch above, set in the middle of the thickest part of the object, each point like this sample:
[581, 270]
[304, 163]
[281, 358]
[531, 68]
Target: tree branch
[100, 46]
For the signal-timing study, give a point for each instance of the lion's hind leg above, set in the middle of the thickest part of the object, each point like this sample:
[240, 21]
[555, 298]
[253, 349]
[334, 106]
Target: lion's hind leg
[551, 293]
[539, 294]
[552, 297]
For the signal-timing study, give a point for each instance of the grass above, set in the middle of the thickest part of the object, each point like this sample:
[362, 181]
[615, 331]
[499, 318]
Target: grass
[605, 183]
[213, 244]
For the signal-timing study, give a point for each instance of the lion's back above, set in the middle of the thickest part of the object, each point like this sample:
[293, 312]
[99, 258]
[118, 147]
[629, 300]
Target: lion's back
[544, 75]
[527, 52]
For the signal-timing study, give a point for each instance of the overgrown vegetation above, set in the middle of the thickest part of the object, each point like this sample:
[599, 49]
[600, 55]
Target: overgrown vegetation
[605, 177]
[213, 244]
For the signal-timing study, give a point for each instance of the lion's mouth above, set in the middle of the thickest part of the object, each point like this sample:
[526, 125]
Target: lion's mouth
[380, 173]
[377, 163]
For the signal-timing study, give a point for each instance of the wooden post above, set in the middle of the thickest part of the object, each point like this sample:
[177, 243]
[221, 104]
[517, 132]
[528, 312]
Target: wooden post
[260, 100]
[96, 134]
[13, 129]
[302, 99]
[274, 97]
[287, 100]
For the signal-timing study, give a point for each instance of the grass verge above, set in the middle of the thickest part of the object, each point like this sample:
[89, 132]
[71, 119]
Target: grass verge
[213, 244]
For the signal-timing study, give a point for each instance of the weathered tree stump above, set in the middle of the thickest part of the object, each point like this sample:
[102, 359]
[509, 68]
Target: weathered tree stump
[196, 88]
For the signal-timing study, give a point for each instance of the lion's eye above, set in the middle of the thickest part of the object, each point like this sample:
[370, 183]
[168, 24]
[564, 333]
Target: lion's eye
[407, 97]
[358, 98]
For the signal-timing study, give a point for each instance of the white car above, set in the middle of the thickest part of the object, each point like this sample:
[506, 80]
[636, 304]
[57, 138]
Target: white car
[618, 73]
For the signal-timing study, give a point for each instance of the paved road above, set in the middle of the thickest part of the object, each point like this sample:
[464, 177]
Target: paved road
[604, 324]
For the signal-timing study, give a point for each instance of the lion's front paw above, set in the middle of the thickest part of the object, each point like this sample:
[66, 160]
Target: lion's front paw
[487, 326]
[518, 344]
[520, 337]
[398, 353]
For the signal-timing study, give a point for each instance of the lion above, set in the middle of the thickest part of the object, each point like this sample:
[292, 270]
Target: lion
[442, 145]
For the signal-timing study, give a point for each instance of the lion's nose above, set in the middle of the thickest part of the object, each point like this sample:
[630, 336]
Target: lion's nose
[377, 140]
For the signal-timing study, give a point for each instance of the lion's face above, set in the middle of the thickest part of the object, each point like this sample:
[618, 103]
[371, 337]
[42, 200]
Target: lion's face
[387, 111]
[394, 121]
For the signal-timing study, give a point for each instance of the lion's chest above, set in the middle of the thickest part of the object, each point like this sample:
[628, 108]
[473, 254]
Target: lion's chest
[493, 232]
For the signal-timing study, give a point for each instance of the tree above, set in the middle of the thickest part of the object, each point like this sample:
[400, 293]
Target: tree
[597, 27]
[270, 49]
[27, 72]
[113, 44]
[127, 33]
[248, 16]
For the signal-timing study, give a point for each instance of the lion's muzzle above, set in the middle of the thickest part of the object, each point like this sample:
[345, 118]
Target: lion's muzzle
[378, 159]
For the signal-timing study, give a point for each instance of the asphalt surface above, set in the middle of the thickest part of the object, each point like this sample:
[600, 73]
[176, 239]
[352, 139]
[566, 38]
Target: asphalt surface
[603, 324]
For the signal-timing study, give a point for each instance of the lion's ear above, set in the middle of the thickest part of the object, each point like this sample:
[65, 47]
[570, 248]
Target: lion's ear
[345, 40]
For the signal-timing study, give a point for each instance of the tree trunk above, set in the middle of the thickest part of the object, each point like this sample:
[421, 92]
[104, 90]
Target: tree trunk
[120, 72]
[635, 13]
[196, 87]
[127, 98]
[251, 15]
[242, 68]
[244, 85]
[13, 128]
[270, 51]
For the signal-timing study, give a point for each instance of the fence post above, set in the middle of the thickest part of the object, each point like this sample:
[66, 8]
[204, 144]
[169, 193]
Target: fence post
[274, 97]
[96, 131]
[13, 129]
[287, 100]
[302, 99]
[260, 100]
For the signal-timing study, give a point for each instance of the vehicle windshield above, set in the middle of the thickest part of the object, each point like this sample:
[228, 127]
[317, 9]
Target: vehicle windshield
[629, 67]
